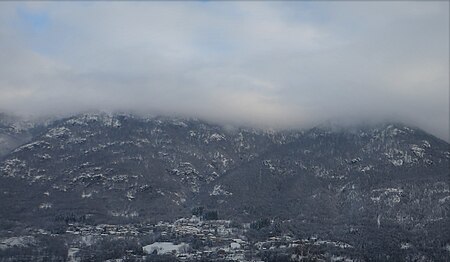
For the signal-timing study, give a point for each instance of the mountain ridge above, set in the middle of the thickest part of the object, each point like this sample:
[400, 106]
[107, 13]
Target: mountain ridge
[100, 168]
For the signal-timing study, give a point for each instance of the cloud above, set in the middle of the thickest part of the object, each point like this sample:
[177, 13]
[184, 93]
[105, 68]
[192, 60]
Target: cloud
[256, 63]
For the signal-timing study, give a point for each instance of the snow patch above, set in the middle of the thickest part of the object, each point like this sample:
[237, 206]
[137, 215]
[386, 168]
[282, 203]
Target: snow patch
[419, 152]
[216, 137]
[366, 168]
[58, 132]
[45, 205]
[72, 255]
[130, 195]
[126, 214]
[37, 144]
[235, 245]
[426, 144]
[21, 241]
[443, 200]
[219, 191]
[165, 248]
[105, 119]
[396, 162]
[86, 195]
[405, 246]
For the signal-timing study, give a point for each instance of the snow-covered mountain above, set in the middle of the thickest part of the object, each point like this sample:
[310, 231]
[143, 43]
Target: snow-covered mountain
[373, 181]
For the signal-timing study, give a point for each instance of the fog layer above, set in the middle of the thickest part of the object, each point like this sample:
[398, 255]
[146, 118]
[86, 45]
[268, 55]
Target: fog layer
[289, 64]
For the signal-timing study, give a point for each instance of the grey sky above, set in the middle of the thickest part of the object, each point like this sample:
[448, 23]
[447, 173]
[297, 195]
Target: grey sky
[286, 64]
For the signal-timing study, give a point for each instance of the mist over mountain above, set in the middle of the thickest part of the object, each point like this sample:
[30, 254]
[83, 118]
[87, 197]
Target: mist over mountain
[224, 131]
[263, 64]
[380, 190]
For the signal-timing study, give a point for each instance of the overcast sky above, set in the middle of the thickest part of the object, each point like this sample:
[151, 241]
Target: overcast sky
[271, 64]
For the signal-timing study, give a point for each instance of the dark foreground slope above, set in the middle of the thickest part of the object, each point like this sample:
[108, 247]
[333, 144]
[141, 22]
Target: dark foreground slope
[374, 187]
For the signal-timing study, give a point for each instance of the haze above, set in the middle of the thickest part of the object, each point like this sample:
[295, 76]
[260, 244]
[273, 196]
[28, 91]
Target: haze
[272, 64]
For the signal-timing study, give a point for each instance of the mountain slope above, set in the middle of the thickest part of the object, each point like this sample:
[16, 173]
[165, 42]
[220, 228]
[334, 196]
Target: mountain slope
[128, 163]
[372, 181]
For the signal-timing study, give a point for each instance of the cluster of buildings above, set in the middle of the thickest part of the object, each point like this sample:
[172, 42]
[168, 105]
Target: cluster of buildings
[192, 239]
[108, 230]
[201, 239]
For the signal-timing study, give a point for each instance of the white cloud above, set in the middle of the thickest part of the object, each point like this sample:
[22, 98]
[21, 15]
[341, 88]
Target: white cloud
[264, 63]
